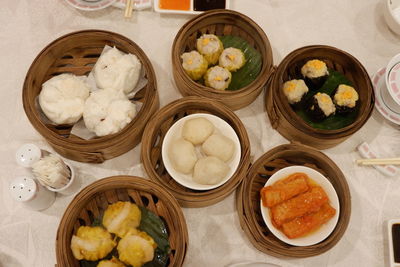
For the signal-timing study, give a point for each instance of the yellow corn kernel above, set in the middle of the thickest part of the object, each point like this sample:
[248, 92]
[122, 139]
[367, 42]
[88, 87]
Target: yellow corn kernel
[206, 41]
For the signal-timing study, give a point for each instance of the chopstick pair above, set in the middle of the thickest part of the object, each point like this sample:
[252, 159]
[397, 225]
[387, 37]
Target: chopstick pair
[378, 161]
[128, 8]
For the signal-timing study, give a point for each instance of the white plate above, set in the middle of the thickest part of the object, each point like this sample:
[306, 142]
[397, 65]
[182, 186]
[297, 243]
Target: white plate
[378, 81]
[88, 5]
[394, 83]
[175, 11]
[326, 229]
[175, 132]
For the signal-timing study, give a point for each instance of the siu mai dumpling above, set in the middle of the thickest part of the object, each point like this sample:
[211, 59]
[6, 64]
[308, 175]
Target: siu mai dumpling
[122, 218]
[91, 243]
[137, 249]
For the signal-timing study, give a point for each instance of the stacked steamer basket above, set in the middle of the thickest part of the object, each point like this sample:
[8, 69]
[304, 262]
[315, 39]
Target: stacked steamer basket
[92, 201]
[248, 199]
[221, 23]
[289, 124]
[153, 138]
[76, 53]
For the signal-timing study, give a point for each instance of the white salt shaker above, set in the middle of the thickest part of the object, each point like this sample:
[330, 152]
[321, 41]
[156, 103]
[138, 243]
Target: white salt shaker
[27, 155]
[24, 189]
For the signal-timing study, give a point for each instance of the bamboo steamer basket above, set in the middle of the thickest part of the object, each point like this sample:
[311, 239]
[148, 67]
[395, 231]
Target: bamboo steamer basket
[248, 199]
[76, 53]
[153, 137]
[221, 22]
[294, 128]
[93, 200]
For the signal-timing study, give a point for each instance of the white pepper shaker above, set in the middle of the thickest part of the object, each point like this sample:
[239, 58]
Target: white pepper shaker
[26, 190]
[27, 155]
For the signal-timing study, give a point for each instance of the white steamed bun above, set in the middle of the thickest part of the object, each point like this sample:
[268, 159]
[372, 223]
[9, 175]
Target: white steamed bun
[219, 146]
[197, 130]
[118, 71]
[63, 97]
[182, 155]
[210, 170]
[107, 112]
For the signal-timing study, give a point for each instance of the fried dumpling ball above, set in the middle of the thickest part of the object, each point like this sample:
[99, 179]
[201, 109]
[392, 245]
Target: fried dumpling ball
[122, 218]
[137, 249]
[114, 262]
[91, 243]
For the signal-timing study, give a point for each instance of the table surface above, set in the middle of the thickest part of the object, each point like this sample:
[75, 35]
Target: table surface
[27, 237]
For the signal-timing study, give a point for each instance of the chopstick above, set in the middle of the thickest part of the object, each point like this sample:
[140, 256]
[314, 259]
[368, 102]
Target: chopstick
[128, 8]
[377, 161]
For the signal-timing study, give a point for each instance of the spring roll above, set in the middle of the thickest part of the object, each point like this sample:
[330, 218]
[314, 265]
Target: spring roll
[284, 189]
[308, 223]
[305, 203]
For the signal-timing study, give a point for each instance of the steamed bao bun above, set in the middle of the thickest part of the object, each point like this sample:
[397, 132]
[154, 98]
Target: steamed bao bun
[183, 156]
[210, 170]
[107, 112]
[63, 97]
[115, 70]
[197, 130]
[219, 146]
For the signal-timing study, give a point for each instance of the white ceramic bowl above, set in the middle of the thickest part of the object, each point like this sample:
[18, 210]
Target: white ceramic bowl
[175, 132]
[391, 12]
[326, 229]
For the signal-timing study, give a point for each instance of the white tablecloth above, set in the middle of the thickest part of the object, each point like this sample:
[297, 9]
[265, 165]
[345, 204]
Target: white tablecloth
[27, 238]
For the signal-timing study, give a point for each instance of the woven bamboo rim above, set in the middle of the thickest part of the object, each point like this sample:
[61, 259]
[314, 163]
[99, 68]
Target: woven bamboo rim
[92, 201]
[153, 137]
[221, 22]
[289, 124]
[76, 53]
[248, 199]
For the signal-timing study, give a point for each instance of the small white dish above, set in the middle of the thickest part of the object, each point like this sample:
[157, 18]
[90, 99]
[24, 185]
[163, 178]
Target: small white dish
[191, 10]
[90, 5]
[326, 229]
[175, 132]
[392, 257]
[391, 12]
[386, 109]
